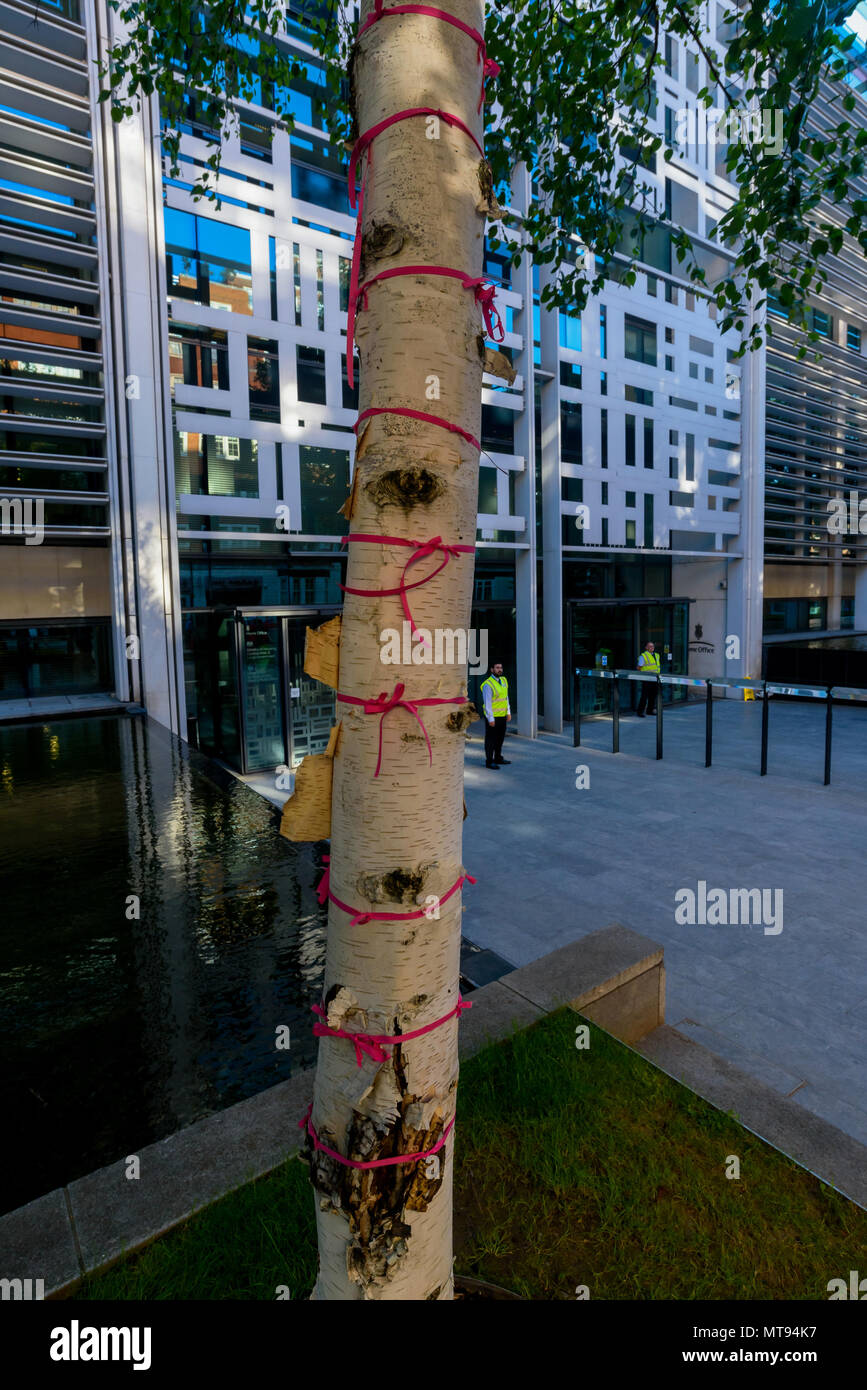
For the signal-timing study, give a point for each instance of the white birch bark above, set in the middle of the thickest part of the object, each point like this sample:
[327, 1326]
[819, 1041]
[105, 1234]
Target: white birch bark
[387, 1233]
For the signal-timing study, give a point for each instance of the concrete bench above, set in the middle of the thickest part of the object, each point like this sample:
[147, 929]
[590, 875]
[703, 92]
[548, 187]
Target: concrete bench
[615, 977]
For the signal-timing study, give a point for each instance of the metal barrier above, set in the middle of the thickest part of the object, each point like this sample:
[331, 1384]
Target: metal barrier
[766, 690]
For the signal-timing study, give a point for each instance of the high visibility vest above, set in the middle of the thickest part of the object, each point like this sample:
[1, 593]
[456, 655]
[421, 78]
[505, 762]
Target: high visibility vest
[650, 663]
[499, 695]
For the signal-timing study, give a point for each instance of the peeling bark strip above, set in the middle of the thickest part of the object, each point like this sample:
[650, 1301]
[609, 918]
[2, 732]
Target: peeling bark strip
[396, 839]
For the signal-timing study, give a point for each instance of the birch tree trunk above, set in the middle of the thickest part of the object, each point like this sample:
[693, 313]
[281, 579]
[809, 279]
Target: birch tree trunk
[386, 1233]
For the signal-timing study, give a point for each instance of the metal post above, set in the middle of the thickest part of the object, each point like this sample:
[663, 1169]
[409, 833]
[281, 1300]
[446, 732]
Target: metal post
[708, 726]
[828, 715]
[576, 710]
[658, 718]
[615, 711]
[765, 701]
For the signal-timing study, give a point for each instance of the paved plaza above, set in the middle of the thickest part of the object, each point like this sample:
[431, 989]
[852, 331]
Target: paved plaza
[555, 863]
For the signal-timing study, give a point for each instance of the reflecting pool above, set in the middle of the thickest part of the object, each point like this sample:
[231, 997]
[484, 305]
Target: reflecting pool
[155, 933]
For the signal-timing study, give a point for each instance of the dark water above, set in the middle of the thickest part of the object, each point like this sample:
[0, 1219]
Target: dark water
[114, 1031]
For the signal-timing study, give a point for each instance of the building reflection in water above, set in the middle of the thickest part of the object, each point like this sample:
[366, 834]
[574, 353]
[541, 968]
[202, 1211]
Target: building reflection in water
[156, 933]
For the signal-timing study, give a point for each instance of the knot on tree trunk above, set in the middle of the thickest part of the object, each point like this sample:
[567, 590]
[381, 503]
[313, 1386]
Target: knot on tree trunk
[460, 720]
[383, 239]
[398, 886]
[405, 487]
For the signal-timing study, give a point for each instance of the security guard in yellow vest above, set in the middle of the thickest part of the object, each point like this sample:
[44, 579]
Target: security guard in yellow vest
[649, 663]
[495, 694]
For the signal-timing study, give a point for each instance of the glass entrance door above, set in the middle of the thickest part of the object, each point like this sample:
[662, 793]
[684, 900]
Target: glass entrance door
[312, 705]
[612, 636]
[264, 702]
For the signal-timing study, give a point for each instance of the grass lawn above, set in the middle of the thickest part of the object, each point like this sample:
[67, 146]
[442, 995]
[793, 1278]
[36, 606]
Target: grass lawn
[573, 1168]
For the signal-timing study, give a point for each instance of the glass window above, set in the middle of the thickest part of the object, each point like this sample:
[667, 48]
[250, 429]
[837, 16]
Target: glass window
[215, 465]
[681, 205]
[604, 423]
[315, 186]
[310, 363]
[572, 489]
[320, 291]
[497, 264]
[324, 488]
[648, 443]
[630, 499]
[570, 432]
[272, 268]
[345, 268]
[488, 503]
[671, 53]
[208, 262]
[570, 332]
[640, 340]
[296, 280]
[304, 98]
[648, 518]
[823, 323]
[630, 441]
[198, 357]
[350, 393]
[603, 331]
[498, 429]
[570, 375]
[853, 337]
[630, 533]
[263, 377]
[638, 395]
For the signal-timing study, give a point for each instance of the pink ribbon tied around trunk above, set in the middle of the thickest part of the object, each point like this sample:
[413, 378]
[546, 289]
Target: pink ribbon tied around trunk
[307, 1125]
[365, 1043]
[385, 703]
[489, 67]
[324, 895]
[372, 1044]
[484, 293]
[364, 147]
[421, 549]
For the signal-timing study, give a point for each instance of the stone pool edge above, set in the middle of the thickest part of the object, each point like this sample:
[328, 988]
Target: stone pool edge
[615, 977]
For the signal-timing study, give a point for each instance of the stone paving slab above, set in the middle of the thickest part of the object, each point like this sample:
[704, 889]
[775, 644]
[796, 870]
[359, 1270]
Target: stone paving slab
[782, 1081]
[497, 1011]
[556, 863]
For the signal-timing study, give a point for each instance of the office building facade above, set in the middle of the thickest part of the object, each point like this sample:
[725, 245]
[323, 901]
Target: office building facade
[176, 395]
